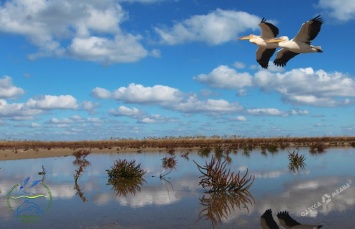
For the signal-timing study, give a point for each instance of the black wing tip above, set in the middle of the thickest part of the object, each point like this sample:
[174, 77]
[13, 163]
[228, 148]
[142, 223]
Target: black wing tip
[263, 64]
[263, 20]
[267, 212]
[279, 63]
[283, 214]
[318, 19]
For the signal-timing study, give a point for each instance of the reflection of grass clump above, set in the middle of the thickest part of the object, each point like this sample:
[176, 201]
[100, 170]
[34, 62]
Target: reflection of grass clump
[123, 169]
[216, 178]
[296, 161]
[353, 144]
[220, 205]
[204, 151]
[272, 148]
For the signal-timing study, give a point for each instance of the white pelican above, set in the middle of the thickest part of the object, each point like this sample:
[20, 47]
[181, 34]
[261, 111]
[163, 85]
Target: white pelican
[265, 50]
[301, 43]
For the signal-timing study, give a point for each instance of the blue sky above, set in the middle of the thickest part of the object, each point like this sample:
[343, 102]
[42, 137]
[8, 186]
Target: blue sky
[86, 69]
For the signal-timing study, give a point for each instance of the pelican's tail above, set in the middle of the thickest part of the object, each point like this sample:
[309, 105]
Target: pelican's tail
[318, 49]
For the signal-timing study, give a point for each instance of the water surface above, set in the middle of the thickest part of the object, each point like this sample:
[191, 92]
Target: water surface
[178, 201]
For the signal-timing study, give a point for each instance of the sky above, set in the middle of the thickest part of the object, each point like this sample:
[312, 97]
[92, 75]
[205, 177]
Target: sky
[92, 70]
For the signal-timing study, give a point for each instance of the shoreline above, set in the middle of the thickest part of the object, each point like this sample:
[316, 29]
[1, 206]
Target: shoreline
[17, 150]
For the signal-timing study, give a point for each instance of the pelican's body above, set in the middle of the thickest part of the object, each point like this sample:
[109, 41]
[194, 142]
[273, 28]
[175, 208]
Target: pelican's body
[301, 43]
[265, 49]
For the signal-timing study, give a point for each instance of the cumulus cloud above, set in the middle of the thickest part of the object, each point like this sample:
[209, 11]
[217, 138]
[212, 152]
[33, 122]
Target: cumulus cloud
[214, 28]
[52, 102]
[225, 77]
[137, 93]
[342, 10]
[124, 48]
[240, 118]
[308, 87]
[140, 116]
[8, 90]
[16, 110]
[71, 29]
[89, 106]
[126, 111]
[211, 106]
[275, 112]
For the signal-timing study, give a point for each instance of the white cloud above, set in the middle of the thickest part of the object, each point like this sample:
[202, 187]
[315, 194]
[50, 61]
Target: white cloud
[91, 28]
[342, 10]
[240, 118]
[275, 112]
[309, 87]
[137, 93]
[108, 51]
[212, 106]
[89, 106]
[155, 118]
[126, 111]
[225, 77]
[266, 111]
[214, 28]
[16, 110]
[52, 102]
[101, 93]
[8, 90]
[239, 65]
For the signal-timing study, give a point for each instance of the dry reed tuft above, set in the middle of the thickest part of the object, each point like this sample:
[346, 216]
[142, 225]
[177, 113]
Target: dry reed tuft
[216, 178]
[125, 177]
[296, 161]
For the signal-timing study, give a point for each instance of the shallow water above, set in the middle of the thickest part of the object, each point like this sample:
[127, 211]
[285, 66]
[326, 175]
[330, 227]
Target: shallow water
[178, 201]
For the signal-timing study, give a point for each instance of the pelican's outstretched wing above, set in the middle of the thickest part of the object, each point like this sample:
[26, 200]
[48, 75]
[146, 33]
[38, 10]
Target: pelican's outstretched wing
[267, 221]
[263, 56]
[283, 56]
[268, 30]
[309, 30]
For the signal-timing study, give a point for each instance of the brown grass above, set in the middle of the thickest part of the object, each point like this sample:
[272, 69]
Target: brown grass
[17, 149]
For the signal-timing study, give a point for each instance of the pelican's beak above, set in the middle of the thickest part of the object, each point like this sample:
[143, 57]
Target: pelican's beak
[245, 38]
[274, 40]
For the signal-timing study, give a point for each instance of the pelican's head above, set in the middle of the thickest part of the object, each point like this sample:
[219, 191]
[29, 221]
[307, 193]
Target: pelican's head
[277, 40]
[247, 37]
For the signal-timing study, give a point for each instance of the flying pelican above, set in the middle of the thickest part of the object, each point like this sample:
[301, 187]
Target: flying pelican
[286, 221]
[265, 50]
[301, 43]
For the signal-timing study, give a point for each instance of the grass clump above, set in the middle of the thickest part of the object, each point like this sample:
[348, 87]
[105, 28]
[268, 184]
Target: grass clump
[296, 161]
[216, 178]
[125, 177]
[122, 169]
